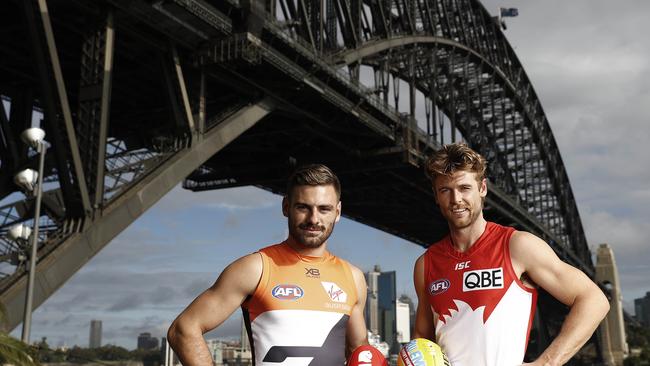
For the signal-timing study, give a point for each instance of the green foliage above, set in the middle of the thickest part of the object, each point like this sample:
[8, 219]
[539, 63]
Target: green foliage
[105, 354]
[15, 352]
[638, 337]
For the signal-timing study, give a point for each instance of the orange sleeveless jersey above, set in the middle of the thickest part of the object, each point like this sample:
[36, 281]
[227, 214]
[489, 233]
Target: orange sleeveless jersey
[299, 311]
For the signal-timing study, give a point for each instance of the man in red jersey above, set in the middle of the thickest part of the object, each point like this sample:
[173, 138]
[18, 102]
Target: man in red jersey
[301, 304]
[477, 286]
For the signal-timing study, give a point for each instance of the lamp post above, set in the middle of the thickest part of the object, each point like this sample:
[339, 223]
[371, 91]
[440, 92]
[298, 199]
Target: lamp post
[29, 180]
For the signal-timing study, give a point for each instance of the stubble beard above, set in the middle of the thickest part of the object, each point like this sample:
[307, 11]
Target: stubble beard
[308, 241]
[456, 224]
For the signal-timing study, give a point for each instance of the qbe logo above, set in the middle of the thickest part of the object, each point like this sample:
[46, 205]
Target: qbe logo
[438, 286]
[483, 279]
[287, 292]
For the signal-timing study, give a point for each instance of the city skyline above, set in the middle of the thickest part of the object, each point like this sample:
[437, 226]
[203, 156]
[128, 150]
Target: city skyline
[588, 66]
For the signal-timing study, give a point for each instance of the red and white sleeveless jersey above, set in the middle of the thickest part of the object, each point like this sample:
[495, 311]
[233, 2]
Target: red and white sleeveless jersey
[482, 312]
[299, 312]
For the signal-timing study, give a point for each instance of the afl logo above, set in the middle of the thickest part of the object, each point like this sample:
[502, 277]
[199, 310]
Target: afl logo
[287, 292]
[439, 286]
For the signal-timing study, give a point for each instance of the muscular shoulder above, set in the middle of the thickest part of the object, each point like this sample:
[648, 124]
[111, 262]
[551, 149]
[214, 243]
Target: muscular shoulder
[244, 273]
[528, 250]
[357, 275]
[522, 242]
[359, 282]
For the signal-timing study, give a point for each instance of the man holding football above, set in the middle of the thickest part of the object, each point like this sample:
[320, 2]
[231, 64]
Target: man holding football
[477, 286]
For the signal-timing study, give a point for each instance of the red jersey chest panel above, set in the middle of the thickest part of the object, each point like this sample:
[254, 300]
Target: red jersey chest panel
[482, 312]
[299, 312]
[478, 277]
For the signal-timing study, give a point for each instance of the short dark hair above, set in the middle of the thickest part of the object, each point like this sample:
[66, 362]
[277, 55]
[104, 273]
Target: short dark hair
[313, 175]
[452, 158]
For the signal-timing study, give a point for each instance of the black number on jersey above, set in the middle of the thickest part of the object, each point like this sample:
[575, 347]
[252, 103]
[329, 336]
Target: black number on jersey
[332, 352]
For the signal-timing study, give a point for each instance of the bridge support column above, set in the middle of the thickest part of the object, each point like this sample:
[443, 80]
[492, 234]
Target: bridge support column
[612, 329]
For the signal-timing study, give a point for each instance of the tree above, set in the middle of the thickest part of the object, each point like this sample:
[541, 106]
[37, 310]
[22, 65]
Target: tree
[12, 350]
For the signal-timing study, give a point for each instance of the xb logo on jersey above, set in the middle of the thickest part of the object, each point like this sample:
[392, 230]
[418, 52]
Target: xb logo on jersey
[312, 272]
[287, 292]
[335, 292]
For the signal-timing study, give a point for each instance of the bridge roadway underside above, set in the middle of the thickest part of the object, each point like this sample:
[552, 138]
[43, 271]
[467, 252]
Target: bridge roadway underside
[380, 187]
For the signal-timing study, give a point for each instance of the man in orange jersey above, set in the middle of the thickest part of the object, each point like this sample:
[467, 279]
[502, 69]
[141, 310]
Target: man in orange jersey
[301, 304]
[477, 286]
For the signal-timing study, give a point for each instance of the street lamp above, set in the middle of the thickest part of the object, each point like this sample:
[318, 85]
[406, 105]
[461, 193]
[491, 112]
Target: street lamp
[30, 180]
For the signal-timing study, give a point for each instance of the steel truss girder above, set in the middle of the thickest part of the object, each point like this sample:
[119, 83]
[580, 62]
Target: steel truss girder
[57, 107]
[537, 136]
[60, 264]
[94, 103]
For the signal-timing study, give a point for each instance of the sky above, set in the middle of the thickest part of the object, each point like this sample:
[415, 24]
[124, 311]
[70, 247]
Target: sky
[589, 64]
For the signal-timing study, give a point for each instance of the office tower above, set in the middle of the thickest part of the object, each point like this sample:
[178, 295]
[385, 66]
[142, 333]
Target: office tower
[381, 305]
[167, 356]
[95, 340]
[244, 341]
[642, 310]
[372, 305]
[407, 300]
[147, 342]
[403, 322]
[387, 301]
[612, 328]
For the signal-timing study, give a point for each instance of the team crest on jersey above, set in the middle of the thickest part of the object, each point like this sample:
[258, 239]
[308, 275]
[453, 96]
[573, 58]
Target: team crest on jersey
[334, 292]
[439, 286]
[287, 292]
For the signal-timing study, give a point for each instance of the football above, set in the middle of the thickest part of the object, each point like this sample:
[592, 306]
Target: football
[367, 356]
[422, 352]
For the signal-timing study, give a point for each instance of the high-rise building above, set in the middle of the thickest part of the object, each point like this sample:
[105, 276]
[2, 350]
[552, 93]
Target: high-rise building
[167, 355]
[146, 341]
[372, 305]
[244, 341]
[403, 322]
[612, 328]
[95, 340]
[407, 300]
[642, 310]
[381, 306]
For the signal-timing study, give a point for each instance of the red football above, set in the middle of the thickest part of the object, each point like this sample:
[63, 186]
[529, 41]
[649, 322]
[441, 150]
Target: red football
[367, 356]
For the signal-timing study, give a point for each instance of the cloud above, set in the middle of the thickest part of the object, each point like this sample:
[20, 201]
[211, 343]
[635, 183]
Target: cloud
[126, 303]
[244, 198]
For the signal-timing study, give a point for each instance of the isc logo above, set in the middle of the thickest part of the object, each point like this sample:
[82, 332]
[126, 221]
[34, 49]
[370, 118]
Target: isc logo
[438, 286]
[483, 279]
[287, 292]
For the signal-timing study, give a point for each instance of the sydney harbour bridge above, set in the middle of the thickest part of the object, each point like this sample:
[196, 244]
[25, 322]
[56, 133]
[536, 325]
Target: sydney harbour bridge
[137, 96]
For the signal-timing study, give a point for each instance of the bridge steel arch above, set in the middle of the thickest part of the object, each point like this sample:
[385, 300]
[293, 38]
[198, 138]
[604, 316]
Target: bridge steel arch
[138, 96]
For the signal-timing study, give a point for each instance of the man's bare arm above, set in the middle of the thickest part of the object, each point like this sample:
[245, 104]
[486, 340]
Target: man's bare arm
[568, 285]
[212, 308]
[356, 332]
[423, 315]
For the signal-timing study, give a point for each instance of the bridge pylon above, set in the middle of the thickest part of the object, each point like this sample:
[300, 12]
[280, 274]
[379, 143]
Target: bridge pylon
[612, 329]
